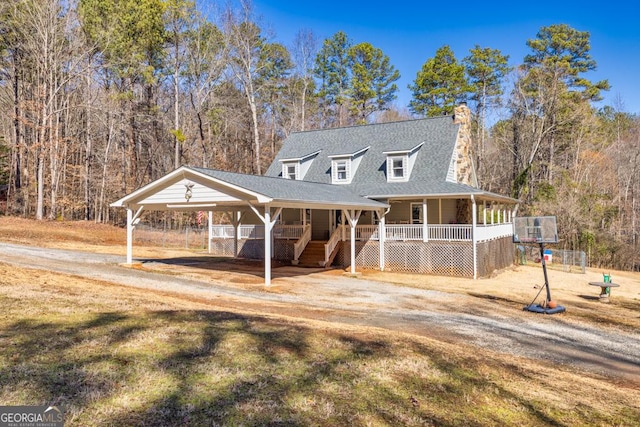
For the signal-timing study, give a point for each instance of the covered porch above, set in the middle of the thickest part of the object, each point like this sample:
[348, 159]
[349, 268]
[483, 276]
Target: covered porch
[489, 229]
[241, 197]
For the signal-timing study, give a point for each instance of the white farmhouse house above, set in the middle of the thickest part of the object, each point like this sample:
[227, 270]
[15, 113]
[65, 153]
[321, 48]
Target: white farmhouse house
[399, 196]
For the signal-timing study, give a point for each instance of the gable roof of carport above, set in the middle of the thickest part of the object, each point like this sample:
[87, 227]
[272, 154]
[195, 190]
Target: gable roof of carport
[219, 189]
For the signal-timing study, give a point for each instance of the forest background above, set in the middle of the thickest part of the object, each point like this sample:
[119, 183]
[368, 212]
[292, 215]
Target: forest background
[99, 97]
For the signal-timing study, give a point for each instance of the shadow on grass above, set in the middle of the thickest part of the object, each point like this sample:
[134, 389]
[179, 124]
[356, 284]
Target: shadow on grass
[490, 297]
[221, 368]
[589, 297]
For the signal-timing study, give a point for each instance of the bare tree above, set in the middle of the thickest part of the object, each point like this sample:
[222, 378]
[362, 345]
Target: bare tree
[248, 49]
[304, 52]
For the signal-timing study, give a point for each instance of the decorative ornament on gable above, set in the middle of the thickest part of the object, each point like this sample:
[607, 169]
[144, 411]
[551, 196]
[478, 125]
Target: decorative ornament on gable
[189, 192]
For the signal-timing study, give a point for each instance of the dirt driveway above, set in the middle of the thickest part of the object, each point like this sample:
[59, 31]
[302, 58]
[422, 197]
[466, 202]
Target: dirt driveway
[443, 308]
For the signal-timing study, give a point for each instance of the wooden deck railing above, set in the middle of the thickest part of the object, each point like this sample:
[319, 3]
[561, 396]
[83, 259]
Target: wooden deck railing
[441, 232]
[493, 231]
[332, 243]
[305, 238]
[289, 232]
[292, 232]
[365, 232]
[450, 232]
[252, 231]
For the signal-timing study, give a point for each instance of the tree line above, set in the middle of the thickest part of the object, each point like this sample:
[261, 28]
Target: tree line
[99, 97]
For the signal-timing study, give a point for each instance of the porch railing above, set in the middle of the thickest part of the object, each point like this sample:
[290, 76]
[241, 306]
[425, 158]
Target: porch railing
[251, 232]
[365, 232]
[302, 242]
[292, 232]
[332, 243]
[439, 232]
[222, 231]
[442, 232]
[450, 232]
[495, 231]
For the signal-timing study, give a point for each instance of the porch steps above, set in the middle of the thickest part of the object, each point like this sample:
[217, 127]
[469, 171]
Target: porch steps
[313, 255]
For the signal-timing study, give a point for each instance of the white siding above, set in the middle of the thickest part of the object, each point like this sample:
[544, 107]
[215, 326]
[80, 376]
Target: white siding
[175, 193]
[451, 173]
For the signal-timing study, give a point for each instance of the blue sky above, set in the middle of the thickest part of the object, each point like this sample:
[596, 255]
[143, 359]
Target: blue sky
[410, 32]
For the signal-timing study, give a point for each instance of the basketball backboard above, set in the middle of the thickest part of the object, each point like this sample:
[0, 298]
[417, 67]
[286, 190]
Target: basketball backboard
[535, 229]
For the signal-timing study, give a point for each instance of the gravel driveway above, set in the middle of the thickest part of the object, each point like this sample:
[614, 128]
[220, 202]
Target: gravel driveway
[448, 316]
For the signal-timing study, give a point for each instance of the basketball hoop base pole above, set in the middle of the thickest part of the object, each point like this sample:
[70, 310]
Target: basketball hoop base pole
[537, 308]
[541, 230]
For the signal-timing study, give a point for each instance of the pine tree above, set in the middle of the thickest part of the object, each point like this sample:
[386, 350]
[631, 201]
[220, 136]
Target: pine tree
[440, 85]
[486, 69]
[372, 86]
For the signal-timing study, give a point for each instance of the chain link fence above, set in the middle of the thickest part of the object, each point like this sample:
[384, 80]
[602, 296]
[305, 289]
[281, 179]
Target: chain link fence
[184, 237]
[561, 259]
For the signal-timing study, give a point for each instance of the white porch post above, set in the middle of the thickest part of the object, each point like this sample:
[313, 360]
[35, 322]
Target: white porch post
[210, 230]
[129, 236]
[493, 209]
[425, 226]
[352, 217]
[235, 221]
[439, 211]
[382, 231]
[267, 245]
[484, 213]
[268, 227]
[474, 240]
[132, 220]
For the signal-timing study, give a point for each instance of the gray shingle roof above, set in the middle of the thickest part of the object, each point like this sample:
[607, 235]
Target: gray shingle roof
[429, 171]
[293, 191]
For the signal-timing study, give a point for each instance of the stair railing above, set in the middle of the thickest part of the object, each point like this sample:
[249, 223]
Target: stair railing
[332, 243]
[301, 243]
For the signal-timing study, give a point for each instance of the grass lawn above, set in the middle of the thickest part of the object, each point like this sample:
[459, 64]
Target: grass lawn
[112, 355]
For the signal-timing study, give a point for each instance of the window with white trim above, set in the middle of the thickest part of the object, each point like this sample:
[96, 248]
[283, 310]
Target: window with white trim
[290, 171]
[340, 171]
[397, 168]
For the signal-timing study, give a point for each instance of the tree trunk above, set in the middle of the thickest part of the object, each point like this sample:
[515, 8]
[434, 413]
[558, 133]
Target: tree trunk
[176, 109]
[256, 133]
[16, 182]
[88, 152]
[40, 186]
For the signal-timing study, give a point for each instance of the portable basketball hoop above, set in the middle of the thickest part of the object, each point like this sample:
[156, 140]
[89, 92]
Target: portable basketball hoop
[540, 230]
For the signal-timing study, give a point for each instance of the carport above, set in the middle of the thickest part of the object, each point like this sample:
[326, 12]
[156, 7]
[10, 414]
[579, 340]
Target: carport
[198, 189]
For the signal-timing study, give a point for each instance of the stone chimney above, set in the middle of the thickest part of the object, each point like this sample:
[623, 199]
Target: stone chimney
[465, 173]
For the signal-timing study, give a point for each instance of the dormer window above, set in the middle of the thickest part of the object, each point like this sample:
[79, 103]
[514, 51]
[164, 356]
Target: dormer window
[290, 171]
[398, 168]
[344, 166]
[297, 167]
[340, 170]
[400, 163]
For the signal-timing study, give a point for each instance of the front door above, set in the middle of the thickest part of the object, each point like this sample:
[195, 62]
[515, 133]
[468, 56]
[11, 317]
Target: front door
[417, 216]
[320, 225]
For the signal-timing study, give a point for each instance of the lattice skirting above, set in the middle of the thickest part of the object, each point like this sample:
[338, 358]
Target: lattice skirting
[252, 248]
[495, 255]
[439, 258]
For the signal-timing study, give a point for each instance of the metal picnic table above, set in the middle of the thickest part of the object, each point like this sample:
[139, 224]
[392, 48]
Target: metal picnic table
[605, 289]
